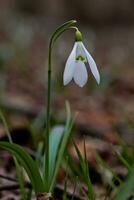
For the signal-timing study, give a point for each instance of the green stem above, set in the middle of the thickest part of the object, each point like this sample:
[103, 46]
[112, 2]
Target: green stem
[48, 116]
[54, 37]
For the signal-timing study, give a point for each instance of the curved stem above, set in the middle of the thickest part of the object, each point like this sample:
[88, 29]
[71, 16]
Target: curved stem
[53, 38]
[48, 120]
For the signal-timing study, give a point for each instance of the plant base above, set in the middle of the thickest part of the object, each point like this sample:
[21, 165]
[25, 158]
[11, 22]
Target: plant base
[44, 196]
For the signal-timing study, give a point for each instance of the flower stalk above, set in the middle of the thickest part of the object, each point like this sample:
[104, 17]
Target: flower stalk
[53, 38]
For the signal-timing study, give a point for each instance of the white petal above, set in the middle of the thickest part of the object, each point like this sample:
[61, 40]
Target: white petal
[70, 66]
[92, 65]
[80, 50]
[80, 74]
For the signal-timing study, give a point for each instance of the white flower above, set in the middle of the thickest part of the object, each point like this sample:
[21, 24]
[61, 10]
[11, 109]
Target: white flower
[75, 67]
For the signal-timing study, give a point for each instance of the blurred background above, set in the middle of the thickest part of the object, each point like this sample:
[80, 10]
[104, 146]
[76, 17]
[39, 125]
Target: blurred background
[108, 34]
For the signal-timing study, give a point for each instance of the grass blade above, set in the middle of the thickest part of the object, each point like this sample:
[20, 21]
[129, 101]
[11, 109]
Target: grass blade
[27, 162]
[88, 181]
[85, 171]
[126, 187]
[18, 168]
[123, 160]
[106, 166]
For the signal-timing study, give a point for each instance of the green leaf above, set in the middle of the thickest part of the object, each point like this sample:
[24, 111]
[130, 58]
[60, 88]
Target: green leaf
[63, 145]
[37, 126]
[91, 194]
[54, 142]
[80, 159]
[123, 160]
[18, 168]
[85, 171]
[27, 162]
[107, 167]
[126, 187]
[65, 182]
[38, 155]
[75, 184]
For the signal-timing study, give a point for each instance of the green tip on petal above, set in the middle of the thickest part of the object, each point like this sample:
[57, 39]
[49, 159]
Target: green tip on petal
[78, 36]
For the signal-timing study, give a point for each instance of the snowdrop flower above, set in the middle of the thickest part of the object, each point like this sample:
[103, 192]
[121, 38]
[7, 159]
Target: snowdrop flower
[75, 67]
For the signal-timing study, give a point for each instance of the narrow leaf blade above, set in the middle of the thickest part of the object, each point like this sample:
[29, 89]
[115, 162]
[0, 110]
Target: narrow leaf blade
[27, 162]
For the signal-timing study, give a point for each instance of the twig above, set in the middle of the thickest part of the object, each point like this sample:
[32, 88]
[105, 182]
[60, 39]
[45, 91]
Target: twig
[8, 178]
[14, 187]
[10, 106]
[58, 190]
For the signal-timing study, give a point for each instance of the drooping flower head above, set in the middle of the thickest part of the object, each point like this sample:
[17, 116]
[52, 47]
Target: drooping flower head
[75, 67]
